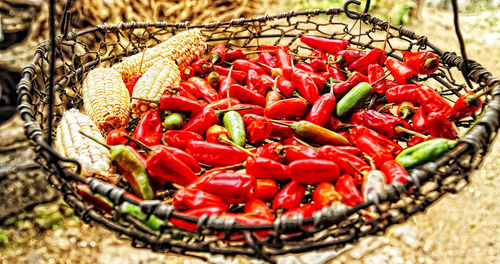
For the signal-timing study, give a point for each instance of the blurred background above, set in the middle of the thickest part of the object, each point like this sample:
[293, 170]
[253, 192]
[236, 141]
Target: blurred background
[37, 227]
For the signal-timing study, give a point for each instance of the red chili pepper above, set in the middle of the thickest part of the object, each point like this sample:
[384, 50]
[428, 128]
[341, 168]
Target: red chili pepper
[172, 102]
[184, 91]
[149, 130]
[265, 168]
[262, 83]
[183, 156]
[232, 187]
[376, 72]
[306, 211]
[440, 126]
[245, 65]
[239, 76]
[130, 83]
[250, 82]
[272, 151]
[188, 198]
[433, 102]
[190, 88]
[272, 48]
[382, 140]
[252, 109]
[343, 159]
[235, 54]
[214, 132]
[405, 110]
[466, 105]
[221, 104]
[394, 172]
[218, 53]
[350, 149]
[258, 208]
[319, 64]
[284, 62]
[322, 109]
[330, 46]
[345, 57]
[268, 59]
[290, 107]
[340, 89]
[402, 93]
[324, 194]
[201, 66]
[202, 121]
[313, 171]
[346, 187]
[292, 154]
[84, 191]
[286, 87]
[378, 152]
[383, 123]
[259, 130]
[180, 139]
[391, 83]
[375, 56]
[215, 155]
[282, 131]
[289, 197]
[401, 72]
[115, 137]
[422, 62]
[265, 189]
[207, 92]
[318, 79]
[336, 74]
[272, 97]
[305, 86]
[197, 212]
[419, 120]
[163, 165]
[246, 95]
[187, 73]
[304, 67]
[246, 220]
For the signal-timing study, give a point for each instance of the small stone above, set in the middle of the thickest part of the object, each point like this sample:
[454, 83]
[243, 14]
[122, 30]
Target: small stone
[408, 234]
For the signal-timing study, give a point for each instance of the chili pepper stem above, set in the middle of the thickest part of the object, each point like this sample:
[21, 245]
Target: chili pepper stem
[381, 79]
[370, 160]
[482, 92]
[355, 168]
[385, 107]
[281, 123]
[218, 112]
[304, 56]
[387, 33]
[223, 139]
[139, 143]
[406, 113]
[95, 140]
[280, 148]
[296, 94]
[303, 142]
[400, 129]
[340, 70]
[372, 215]
[229, 74]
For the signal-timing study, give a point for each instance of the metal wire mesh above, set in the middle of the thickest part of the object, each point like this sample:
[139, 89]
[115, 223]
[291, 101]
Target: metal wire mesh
[330, 227]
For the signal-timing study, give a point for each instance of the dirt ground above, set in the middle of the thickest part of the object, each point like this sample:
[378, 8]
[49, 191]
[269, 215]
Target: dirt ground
[461, 228]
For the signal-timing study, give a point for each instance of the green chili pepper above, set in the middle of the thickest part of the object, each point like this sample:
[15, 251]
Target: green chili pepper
[153, 222]
[132, 165]
[173, 121]
[354, 99]
[427, 151]
[233, 122]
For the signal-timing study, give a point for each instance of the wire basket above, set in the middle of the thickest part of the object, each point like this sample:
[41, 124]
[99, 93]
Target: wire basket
[332, 226]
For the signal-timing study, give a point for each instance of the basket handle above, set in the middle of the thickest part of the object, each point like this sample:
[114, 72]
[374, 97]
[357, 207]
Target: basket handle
[356, 2]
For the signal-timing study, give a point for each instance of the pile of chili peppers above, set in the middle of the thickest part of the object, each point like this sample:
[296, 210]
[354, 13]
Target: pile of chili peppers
[255, 135]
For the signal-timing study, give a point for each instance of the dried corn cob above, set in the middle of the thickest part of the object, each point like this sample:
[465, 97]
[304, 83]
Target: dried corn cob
[183, 48]
[94, 158]
[151, 85]
[106, 100]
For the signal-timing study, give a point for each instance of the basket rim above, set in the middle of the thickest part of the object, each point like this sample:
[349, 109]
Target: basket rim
[473, 141]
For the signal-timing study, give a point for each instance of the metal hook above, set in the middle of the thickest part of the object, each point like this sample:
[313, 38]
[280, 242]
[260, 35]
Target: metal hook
[350, 2]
